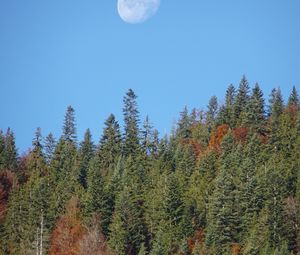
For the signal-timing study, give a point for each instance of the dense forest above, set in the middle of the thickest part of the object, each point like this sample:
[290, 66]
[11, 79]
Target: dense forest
[226, 180]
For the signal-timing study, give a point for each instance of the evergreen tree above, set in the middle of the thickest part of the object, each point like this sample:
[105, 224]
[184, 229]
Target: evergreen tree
[63, 178]
[127, 231]
[2, 151]
[49, 147]
[275, 195]
[131, 120]
[223, 220]
[10, 155]
[110, 144]
[276, 105]
[226, 113]
[149, 139]
[86, 152]
[241, 101]
[97, 200]
[184, 124]
[294, 98]
[212, 110]
[256, 114]
[69, 127]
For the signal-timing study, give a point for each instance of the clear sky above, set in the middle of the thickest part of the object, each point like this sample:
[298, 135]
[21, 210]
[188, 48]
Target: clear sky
[54, 53]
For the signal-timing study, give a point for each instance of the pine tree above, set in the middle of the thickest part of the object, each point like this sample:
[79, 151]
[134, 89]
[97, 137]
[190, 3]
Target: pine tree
[69, 127]
[131, 120]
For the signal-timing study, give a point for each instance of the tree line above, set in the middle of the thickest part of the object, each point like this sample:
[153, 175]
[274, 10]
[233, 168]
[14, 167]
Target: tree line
[225, 181]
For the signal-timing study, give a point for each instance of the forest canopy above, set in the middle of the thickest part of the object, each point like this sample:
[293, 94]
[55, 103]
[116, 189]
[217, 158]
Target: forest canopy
[225, 181]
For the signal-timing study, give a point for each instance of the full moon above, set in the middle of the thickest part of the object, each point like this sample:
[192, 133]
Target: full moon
[137, 11]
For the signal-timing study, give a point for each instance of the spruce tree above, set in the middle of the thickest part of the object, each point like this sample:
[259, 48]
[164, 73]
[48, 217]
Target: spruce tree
[2, 151]
[294, 98]
[255, 117]
[10, 155]
[131, 120]
[241, 101]
[223, 219]
[276, 105]
[110, 143]
[149, 139]
[127, 231]
[184, 125]
[49, 147]
[86, 152]
[226, 113]
[97, 200]
[275, 201]
[69, 127]
[212, 111]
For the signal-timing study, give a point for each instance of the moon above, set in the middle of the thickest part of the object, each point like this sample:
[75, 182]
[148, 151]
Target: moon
[137, 11]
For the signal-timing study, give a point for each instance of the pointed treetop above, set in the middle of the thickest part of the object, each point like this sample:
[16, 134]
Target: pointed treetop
[230, 95]
[49, 147]
[294, 98]
[276, 103]
[131, 120]
[69, 127]
[37, 141]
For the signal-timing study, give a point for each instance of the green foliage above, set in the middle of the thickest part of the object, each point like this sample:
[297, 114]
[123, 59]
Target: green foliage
[184, 125]
[241, 101]
[69, 127]
[10, 154]
[255, 117]
[294, 98]
[231, 173]
[131, 120]
[49, 147]
[85, 154]
[212, 112]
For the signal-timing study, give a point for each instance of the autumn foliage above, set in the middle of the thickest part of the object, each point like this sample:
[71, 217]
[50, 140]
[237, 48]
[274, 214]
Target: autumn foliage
[93, 242]
[240, 134]
[217, 136]
[70, 237]
[68, 231]
[6, 184]
[198, 238]
[195, 145]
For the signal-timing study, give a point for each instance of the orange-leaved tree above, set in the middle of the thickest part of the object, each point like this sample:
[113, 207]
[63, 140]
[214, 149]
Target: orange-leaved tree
[68, 231]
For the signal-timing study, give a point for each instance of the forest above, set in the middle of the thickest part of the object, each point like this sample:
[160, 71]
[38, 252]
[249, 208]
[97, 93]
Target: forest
[225, 181]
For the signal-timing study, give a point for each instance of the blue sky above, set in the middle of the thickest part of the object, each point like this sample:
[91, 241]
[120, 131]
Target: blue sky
[56, 53]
